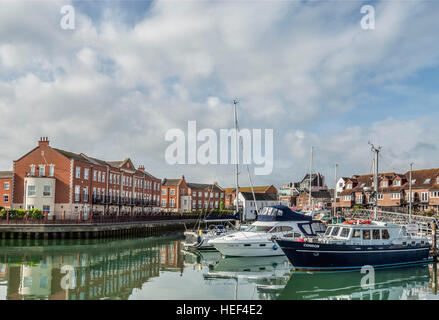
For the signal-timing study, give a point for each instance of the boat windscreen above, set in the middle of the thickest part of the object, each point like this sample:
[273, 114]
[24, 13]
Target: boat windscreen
[259, 229]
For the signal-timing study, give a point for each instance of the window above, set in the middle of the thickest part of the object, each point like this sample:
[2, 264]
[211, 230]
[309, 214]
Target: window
[51, 170]
[200, 194]
[77, 193]
[172, 192]
[194, 204]
[349, 186]
[347, 198]
[47, 192]
[222, 195]
[5, 198]
[360, 198]
[86, 172]
[357, 233]
[85, 194]
[94, 175]
[163, 202]
[99, 176]
[424, 196]
[211, 194]
[31, 191]
[344, 233]
[163, 191]
[172, 203]
[32, 170]
[46, 209]
[434, 194]
[6, 186]
[328, 231]
[216, 195]
[376, 234]
[380, 196]
[395, 196]
[384, 184]
[366, 234]
[111, 178]
[397, 183]
[335, 231]
[78, 173]
[385, 234]
[41, 170]
[427, 181]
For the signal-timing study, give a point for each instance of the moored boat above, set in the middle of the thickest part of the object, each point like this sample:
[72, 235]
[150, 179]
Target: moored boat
[357, 243]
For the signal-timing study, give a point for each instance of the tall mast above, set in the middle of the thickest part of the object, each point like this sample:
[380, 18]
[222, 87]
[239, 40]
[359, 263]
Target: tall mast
[235, 102]
[335, 190]
[410, 193]
[310, 182]
[376, 151]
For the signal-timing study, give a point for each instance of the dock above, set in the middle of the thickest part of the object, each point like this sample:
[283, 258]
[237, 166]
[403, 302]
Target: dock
[93, 229]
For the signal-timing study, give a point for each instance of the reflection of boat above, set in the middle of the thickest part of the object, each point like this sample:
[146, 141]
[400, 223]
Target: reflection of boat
[272, 221]
[201, 258]
[269, 274]
[388, 285]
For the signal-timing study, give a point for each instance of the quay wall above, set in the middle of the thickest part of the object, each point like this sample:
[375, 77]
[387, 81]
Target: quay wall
[93, 230]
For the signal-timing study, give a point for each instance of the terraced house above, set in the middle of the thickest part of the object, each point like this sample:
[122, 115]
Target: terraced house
[393, 191]
[72, 185]
[5, 189]
[181, 196]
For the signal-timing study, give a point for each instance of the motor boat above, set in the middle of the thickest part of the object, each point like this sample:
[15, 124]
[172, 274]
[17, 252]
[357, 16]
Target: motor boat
[198, 239]
[353, 244]
[272, 221]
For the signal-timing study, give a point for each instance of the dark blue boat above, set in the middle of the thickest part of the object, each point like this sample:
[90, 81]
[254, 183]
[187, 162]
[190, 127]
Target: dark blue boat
[350, 247]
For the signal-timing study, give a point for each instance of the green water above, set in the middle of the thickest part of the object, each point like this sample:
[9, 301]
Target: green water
[158, 268]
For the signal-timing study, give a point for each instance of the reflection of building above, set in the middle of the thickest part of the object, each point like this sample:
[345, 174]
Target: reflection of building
[99, 272]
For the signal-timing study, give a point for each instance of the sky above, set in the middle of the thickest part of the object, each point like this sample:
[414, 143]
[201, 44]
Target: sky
[130, 71]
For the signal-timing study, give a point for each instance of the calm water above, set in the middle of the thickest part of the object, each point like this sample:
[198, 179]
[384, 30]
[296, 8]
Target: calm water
[158, 268]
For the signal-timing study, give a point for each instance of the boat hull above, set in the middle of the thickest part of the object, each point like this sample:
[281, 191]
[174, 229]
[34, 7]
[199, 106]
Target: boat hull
[326, 257]
[262, 248]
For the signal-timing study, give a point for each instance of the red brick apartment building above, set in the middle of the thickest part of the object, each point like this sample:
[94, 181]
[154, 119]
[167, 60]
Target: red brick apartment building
[65, 183]
[231, 194]
[5, 189]
[393, 191]
[181, 196]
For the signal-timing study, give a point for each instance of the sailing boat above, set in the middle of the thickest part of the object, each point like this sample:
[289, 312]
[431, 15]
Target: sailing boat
[198, 239]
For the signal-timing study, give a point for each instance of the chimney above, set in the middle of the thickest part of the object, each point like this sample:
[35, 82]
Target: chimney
[44, 141]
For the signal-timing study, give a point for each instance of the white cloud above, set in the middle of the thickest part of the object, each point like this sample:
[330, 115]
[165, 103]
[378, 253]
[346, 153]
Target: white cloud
[112, 90]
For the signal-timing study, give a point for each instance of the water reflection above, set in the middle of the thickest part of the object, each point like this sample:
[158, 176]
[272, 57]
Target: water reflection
[101, 269]
[158, 268]
[390, 284]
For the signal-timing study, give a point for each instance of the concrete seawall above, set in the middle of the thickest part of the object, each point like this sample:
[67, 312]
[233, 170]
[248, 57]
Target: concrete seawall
[92, 230]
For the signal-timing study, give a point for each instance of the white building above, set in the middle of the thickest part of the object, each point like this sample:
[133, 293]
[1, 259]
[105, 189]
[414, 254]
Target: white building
[248, 204]
[340, 186]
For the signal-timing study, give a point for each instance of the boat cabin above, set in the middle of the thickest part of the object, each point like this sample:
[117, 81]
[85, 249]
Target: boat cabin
[366, 232]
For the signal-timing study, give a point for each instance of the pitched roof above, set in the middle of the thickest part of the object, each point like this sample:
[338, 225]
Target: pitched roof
[203, 186]
[258, 196]
[6, 174]
[71, 155]
[171, 182]
[256, 189]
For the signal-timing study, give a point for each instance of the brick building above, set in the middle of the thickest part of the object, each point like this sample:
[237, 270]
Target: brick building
[65, 183]
[393, 191]
[230, 193]
[319, 199]
[181, 196]
[5, 189]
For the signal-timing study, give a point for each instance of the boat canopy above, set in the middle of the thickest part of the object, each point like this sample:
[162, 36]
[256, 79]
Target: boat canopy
[281, 213]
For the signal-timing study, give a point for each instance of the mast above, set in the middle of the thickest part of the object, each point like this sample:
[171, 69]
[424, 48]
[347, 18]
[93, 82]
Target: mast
[410, 193]
[235, 102]
[335, 190]
[376, 151]
[310, 182]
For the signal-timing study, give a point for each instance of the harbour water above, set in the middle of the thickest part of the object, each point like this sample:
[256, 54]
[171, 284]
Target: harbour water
[159, 268]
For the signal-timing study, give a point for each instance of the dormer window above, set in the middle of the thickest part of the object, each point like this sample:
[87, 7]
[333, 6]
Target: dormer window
[384, 184]
[32, 170]
[427, 181]
[437, 180]
[349, 186]
[397, 183]
[41, 170]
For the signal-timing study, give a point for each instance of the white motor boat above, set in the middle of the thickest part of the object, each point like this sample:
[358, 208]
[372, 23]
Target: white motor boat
[274, 221]
[198, 239]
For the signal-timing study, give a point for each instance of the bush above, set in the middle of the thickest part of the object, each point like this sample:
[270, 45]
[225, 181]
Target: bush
[36, 214]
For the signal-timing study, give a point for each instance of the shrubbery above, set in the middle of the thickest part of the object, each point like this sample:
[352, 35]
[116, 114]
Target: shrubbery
[34, 214]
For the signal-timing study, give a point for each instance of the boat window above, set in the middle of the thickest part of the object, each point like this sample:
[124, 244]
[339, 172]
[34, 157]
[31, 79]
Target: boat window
[357, 233]
[335, 231]
[385, 234]
[344, 233]
[328, 231]
[259, 229]
[366, 234]
[283, 229]
[318, 227]
[307, 228]
[376, 234]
